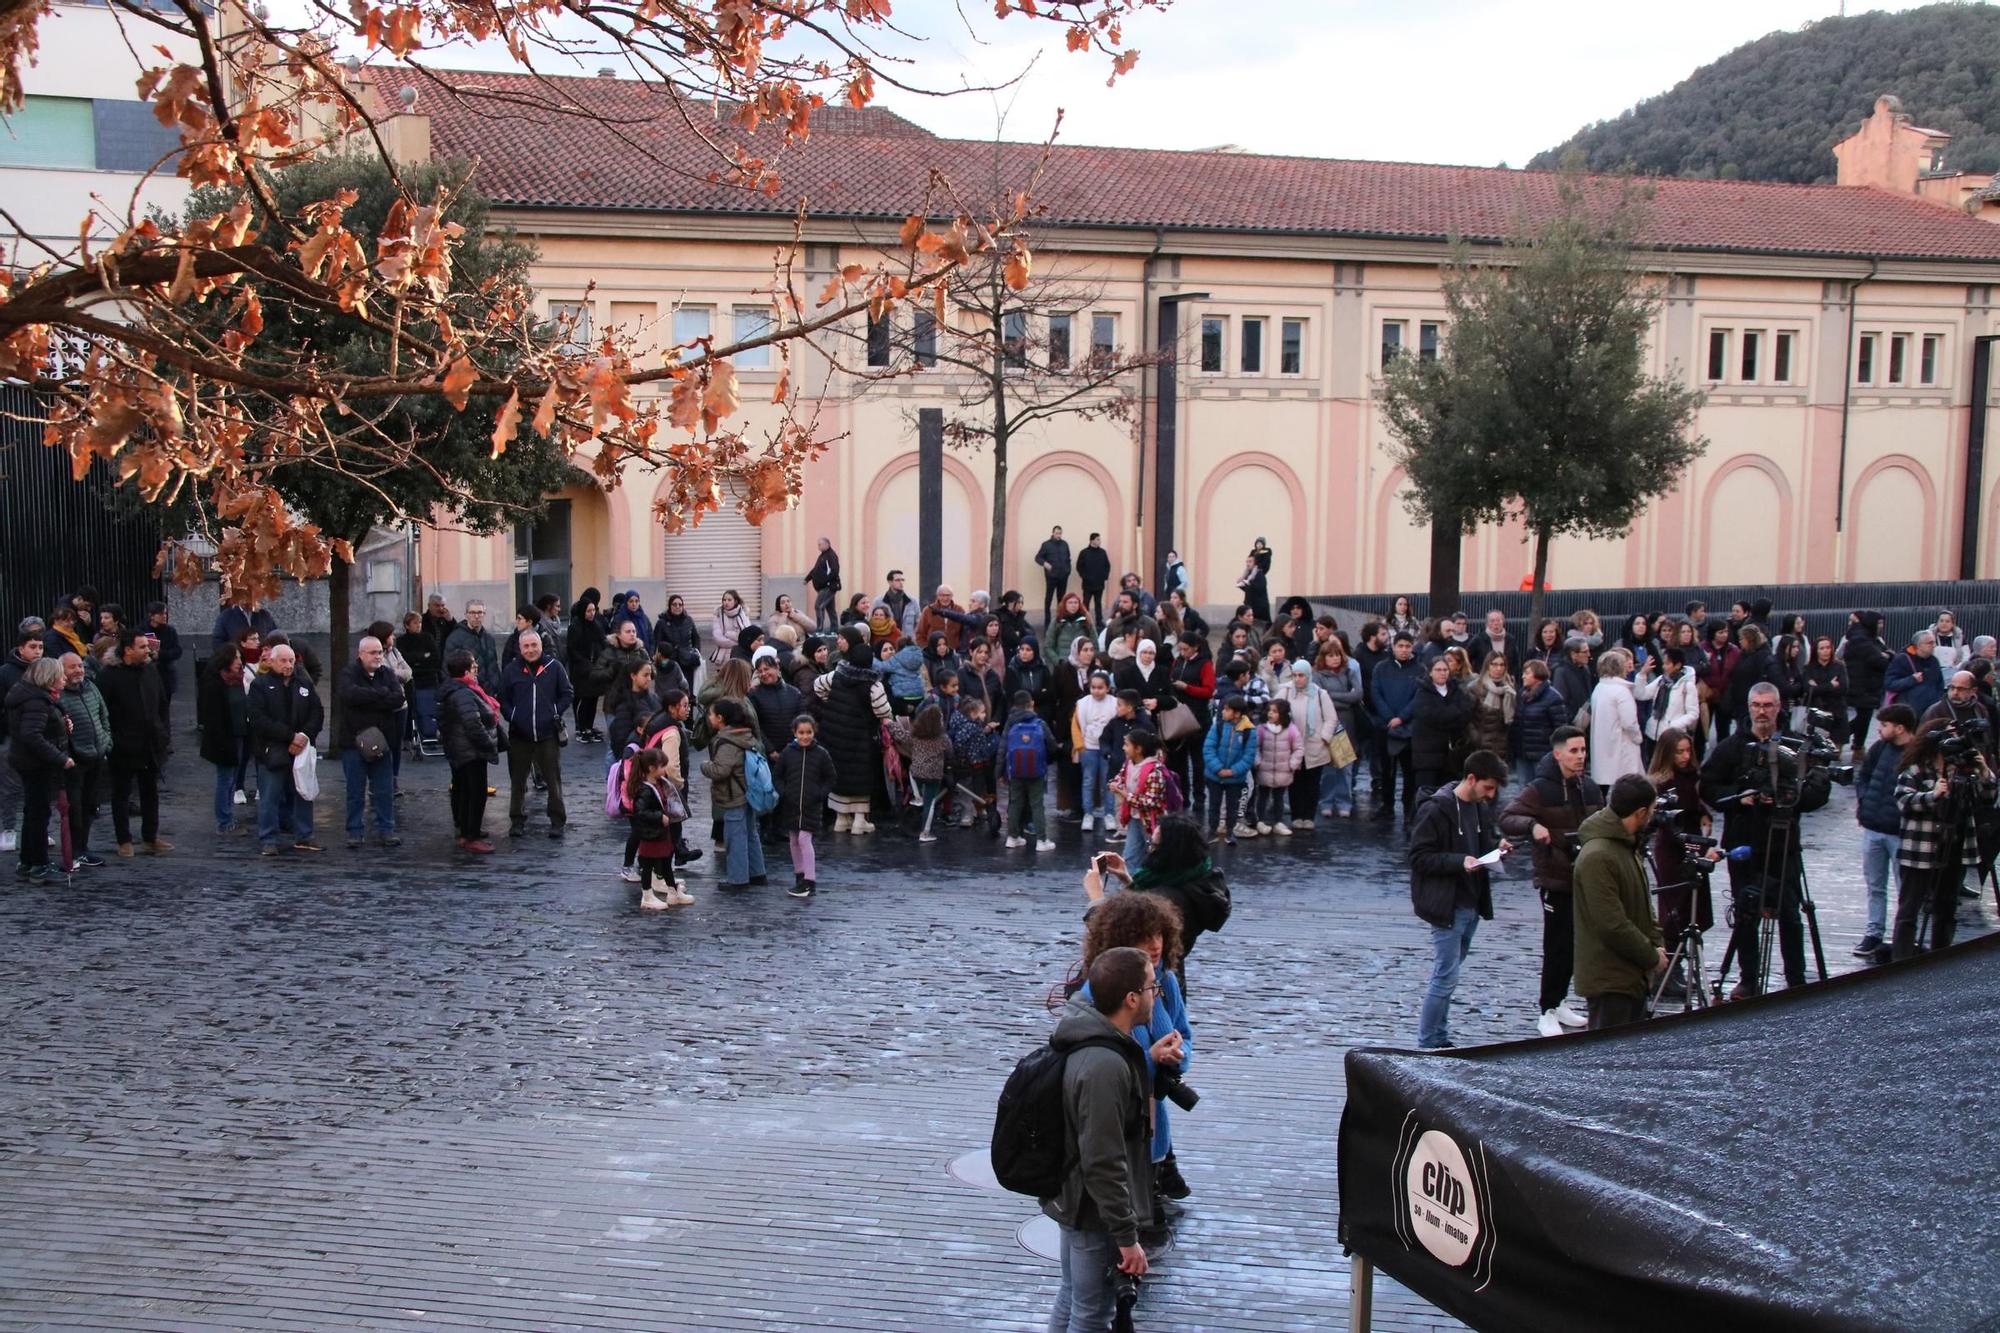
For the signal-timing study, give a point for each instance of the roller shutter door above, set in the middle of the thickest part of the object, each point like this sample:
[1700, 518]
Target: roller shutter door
[724, 551]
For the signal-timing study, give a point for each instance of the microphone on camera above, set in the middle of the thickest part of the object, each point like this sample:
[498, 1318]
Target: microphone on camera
[1739, 853]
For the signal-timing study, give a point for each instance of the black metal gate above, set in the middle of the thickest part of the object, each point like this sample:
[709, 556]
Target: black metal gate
[58, 534]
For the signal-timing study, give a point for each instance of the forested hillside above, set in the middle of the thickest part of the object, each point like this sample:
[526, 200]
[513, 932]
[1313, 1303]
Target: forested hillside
[1773, 109]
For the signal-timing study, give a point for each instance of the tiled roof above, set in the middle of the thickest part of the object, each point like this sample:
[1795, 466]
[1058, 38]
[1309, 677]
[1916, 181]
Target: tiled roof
[639, 154]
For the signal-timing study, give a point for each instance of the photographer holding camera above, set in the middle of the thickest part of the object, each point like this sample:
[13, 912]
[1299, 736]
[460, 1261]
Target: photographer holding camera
[1547, 811]
[1761, 790]
[1618, 943]
[1944, 783]
[1964, 710]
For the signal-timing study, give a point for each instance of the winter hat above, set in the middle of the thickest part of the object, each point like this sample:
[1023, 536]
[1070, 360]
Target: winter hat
[764, 654]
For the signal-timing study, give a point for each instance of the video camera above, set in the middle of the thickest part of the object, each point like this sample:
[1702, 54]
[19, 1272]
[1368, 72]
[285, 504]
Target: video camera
[1786, 760]
[1961, 744]
[1667, 817]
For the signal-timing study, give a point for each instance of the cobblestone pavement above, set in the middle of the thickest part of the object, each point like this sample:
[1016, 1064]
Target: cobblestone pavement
[410, 1088]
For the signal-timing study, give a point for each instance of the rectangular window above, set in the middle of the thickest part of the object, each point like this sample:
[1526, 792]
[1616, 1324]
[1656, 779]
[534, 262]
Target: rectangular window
[923, 338]
[692, 322]
[1104, 335]
[1251, 355]
[1927, 368]
[1753, 348]
[1781, 359]
[878, 339]
[1292, 347]
[1059, 328]
[1392, 340]
[1211, 344]
[1899, 349]
[1718, 354]
[131, 138]
[572, 324]
[1864, 359]
[1427, 341]
[751, 321]
[1014, 338]
[50, 132]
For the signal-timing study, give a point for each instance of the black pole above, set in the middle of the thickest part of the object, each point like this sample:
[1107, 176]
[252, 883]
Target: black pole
[930, 502]
[1166, 416]
[1975, 456]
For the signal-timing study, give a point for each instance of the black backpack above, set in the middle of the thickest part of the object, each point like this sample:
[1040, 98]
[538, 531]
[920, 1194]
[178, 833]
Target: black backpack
[1030, 1151]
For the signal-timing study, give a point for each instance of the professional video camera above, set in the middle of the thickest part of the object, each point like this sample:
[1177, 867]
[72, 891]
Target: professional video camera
[1787, 759]
[1961, 744]
[1667, 818]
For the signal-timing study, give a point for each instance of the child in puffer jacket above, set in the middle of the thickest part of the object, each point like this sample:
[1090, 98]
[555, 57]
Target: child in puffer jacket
[973, 745]
[1280, 753]
[902, 672]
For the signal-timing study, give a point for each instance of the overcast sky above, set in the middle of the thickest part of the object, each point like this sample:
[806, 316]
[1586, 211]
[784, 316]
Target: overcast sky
[1478, 82]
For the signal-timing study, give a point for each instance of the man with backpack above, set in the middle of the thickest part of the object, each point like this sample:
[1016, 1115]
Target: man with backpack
[1072, 1129]
[1024, 758]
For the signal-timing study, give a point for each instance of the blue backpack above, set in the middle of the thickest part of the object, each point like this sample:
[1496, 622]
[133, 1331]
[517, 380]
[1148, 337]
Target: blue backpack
[761, 792]
[1027, 755]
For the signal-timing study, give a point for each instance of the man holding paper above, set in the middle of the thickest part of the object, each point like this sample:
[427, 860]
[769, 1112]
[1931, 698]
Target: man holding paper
[1453, 846]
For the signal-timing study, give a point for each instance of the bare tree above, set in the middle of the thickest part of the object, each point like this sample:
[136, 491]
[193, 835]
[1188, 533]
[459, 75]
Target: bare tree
[177, 398]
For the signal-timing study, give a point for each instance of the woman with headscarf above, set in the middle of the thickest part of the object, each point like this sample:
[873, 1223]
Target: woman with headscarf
[627, 608]
[853, 706]
[1151, 680]
[1027, 673]
[677, 637]
[939, 663]
[1313, 713]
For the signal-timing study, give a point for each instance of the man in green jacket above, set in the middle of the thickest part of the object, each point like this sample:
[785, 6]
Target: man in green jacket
[1618, 943]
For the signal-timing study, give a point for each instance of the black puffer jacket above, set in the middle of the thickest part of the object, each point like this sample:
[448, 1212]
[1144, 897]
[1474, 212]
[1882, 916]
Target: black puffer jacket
[585, 645]
[222, 709]
[777, 707]
[854, 706]
[37, 740]
[803, 776]
[678, 639]
[468, 728]
[1439, 728]
[1867, 659]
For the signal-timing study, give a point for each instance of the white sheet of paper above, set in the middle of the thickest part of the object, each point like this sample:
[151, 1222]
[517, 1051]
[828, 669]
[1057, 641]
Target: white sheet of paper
[1491, 858]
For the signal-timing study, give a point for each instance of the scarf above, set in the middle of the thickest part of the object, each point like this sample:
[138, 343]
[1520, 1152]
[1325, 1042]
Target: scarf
[1487, 690]
[484, 697]
[1151, 877]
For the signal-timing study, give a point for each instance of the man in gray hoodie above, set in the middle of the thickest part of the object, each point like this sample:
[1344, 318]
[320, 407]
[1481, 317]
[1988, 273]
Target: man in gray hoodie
[1107, 1196]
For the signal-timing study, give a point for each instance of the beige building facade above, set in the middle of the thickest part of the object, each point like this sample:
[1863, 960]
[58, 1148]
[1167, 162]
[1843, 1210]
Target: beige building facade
[1834, 328]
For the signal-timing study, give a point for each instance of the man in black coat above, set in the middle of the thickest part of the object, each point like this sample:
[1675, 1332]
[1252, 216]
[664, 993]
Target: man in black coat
[1449, 886]
[371, 704]
[1054, 559]
[284, 715]
[534, 692]
[168, 659]
[1546, 811]
[133, 700]
[1093, 571]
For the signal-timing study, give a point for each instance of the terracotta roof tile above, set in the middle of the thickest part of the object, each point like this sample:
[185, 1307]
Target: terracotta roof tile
[639, 154]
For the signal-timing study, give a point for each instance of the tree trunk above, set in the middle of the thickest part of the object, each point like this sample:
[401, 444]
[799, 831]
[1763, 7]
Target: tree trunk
[1447, 539]
[339, 602]
[1538, 601]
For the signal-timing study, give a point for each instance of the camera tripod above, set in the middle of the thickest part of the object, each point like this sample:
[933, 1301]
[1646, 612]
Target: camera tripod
[1686, 951]
[1780, 852]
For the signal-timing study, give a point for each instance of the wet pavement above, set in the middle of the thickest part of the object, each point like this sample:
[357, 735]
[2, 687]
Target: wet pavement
[407, 1087]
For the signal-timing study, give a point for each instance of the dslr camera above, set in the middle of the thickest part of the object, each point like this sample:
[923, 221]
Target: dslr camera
[1167, 1082]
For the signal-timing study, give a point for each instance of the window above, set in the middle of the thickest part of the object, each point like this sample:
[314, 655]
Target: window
[1014, 338]
[1211, 344]
[1864, 359]
[1251, 355]
[1718, 354]
[878, 340]
[1899, 349]
[1781, 359]
[751, 321]
[1753, 355]
[1392, 340]
[1927, 368]
[1292, 347]
[1427, 341]
[692, 322]
[1104, 335]
[572, 324]
[1059, 327]
[923, 338]
[50, 132]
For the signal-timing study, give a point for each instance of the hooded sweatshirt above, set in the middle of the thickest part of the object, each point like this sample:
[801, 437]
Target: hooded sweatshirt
[1616, 934]
[1108, 1188]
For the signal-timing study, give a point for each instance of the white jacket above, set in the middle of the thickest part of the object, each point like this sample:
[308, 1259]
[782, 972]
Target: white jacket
[1683, 706]
[1614, 732]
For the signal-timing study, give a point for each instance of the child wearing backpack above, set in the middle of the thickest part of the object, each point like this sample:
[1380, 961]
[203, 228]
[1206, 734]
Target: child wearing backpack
[649, 798]
[1280, 752]
[804, 778]
[972, 750]
[1025, 755]
[732, 750]
[1141, 789]
[1229, 758]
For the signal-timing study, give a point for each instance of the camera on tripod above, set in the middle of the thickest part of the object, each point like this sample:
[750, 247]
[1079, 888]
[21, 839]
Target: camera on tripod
[1786, 760]
[1667, 818]
[1960, 745]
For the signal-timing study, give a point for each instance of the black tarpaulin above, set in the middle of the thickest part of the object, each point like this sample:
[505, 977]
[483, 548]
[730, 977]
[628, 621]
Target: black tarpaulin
[1824, 1158]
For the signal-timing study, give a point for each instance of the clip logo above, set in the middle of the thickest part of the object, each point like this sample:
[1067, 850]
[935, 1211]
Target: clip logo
[1445, 1205]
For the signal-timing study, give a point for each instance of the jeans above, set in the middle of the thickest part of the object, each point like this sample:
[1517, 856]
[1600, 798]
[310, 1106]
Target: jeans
[1024, 806]
[1270, 805]
[1223, 801]
[1137, 844]
[369, 779]
[1095, 777]
[279, 808]
[425, 697]
[743, 850]
[125, 777]
[1878, 860]
[1336, 790]
[1449, 946]
[1084, 1302]
[225, 797]
[825, 614]
[545, 757]
[803, 863]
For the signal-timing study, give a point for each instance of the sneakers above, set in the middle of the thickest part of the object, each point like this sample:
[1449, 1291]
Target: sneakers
[1283, 830]
[271, 848]
[9, 840]
[1868, 946]
[307, 845]
[1302, 823]
[1262, 827]
[1113, 833]
[1548, 1025]
[1246, 830]
[630, 874]
[927, 837]
[239, 799]
[760, 879]
[688, 857]
[1569, 1017]
[1045, 845]
[45, 875]
[802, 889]
[1016, 842]
[89, 862]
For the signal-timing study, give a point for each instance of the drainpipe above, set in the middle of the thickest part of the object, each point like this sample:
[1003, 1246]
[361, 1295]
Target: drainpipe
[1975, 455]
[1847, 396]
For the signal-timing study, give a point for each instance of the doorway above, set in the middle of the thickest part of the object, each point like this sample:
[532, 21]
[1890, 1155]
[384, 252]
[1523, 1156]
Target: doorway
[542, 556]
